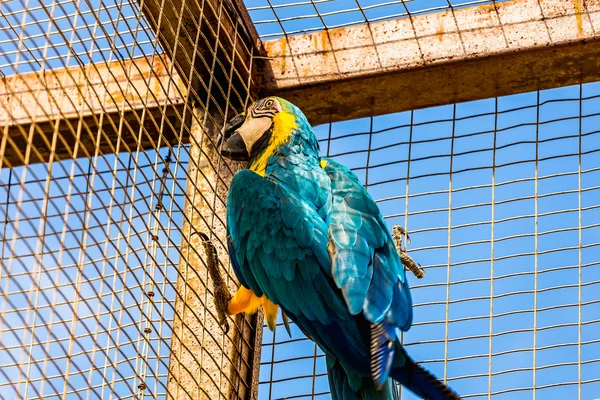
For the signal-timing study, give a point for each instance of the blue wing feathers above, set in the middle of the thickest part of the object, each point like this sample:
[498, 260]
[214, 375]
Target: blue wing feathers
[306, 267]
[281, 243]
[363, 203]
[398, 314]
[381, 291]
[356, 223]
[383, 337]
[362, 265]
[289, 213]
[355, 291]
[304, 233]
[319, 248]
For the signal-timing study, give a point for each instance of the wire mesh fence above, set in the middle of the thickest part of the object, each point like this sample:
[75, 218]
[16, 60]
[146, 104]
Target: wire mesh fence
[107, 178]
[38, 35]
[109, 113]
[501, 200]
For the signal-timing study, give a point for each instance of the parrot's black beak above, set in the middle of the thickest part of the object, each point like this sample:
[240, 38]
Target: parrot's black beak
[234, 147]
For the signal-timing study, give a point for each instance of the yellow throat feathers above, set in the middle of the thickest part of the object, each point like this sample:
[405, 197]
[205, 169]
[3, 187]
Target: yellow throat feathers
[283, 125]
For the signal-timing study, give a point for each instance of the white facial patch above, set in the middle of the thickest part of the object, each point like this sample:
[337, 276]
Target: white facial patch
[252, 129]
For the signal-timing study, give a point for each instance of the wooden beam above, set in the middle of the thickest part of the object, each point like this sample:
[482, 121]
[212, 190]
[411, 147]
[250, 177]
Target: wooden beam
[442, 58]
[98, 108]
[211, 44]
[206, 362]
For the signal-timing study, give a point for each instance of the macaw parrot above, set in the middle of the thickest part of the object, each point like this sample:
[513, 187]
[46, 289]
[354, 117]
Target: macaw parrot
[305, 236]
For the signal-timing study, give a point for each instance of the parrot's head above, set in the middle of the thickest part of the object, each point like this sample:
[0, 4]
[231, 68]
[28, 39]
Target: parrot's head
[264, 127]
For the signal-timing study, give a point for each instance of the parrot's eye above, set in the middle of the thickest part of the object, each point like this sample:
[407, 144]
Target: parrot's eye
[265, 108]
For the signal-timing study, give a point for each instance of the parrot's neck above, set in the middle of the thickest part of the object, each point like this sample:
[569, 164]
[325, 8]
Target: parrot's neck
[296, 165]
[260, 163]
[290, 137]
[284, 125]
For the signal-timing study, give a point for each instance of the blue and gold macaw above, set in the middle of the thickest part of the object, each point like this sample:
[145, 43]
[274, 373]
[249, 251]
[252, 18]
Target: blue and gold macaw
[305, 235]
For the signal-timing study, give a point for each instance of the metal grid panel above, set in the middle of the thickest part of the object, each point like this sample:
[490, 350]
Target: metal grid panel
[79, 260]
[494, 189]
[97, 205]
[501, 201]
[284, 17]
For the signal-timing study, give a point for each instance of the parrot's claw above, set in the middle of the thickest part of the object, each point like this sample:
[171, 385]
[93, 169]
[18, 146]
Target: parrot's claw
[412, 265]
[407, 261]
[221, 294]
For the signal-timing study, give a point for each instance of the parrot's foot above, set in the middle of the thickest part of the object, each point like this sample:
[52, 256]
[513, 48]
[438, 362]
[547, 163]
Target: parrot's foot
[397, 233]
[221, 294]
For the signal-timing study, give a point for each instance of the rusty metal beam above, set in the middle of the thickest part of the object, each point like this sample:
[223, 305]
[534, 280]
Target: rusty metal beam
[442, 58]
[76, 112]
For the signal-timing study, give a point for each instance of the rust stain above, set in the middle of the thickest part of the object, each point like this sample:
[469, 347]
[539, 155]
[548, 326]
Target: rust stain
[578, 11]
[283, 51]
[182, 87]
[116, 97]
[491, 8]
[440, 32]
[158, 90]
[320, 45]
[486, 8]
[158, 67]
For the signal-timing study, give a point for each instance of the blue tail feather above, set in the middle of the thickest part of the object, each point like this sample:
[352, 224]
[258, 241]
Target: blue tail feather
[418, 380]
[405, 371]
[364, 389]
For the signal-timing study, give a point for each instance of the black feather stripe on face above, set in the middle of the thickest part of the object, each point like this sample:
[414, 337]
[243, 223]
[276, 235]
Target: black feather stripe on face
[262, 113]
[263, 108]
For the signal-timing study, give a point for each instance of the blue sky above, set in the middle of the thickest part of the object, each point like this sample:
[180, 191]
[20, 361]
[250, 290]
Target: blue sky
[509, 126]
[106, 294]
[79, 32]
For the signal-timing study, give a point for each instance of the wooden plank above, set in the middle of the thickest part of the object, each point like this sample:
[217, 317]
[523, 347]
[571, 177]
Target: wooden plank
[441, 58]
[111, 106]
